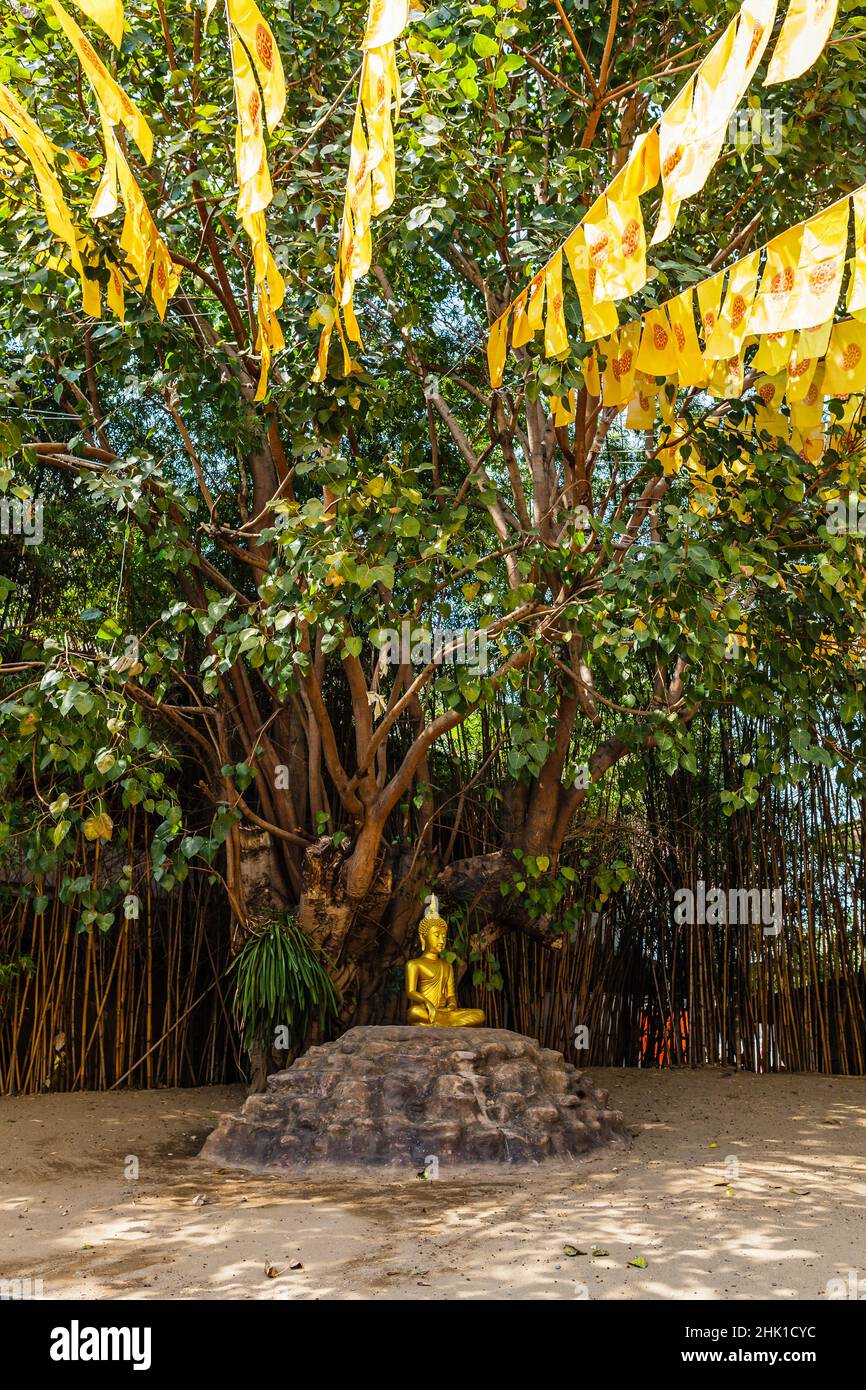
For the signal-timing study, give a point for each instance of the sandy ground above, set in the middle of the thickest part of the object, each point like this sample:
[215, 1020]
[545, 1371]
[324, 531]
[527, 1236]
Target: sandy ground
[792, 1216]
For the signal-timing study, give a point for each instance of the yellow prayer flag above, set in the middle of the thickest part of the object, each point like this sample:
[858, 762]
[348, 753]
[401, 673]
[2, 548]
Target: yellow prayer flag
[321, 368]
[617, 249]
[801, 370]
[676, 135]
[710, 303]
[370, 185]
[91, 297]
[691, 370]
[825, 234]
[269, 339]
[591, 376]
[599, 320]
[250, 152]
[641, 170]
[732, 323]
[667, 399]
[809, 444]
[804, 36]
[353, 331]
[496, 348]
[166, 276]
[521, 331]
[714, 97]
[105, 198]
[807, 412]
[845, 363]
[535, 304]
[270, 292]
[114, 294]
[770, 389]
[386, 20]
[774, 349]
[777, 283]
[108, 14]
[265, 267]
[769, 420]
[641, 410]
[37, 149]
[555, 333]
[694, 126]
[856, 299]
[121, 110]
[356, 247]
[621, 352]
[813, 342]
[674, 445]
[138, 236]
[614, 229]
[852, 414]
[727, 377]
[257, 193]
[657, 355]
[820, 268]
[563, 408]
[755, 28]
[378, 82]
[349, 364]
[253, 29]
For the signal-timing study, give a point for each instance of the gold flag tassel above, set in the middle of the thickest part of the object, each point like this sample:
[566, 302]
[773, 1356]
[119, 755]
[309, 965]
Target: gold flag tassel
[370, 185]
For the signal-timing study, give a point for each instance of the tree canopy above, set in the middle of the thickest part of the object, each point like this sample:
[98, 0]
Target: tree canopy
[204, 622]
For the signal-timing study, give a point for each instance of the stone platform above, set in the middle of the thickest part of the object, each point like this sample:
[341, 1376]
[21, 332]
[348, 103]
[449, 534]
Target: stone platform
[392, 1097]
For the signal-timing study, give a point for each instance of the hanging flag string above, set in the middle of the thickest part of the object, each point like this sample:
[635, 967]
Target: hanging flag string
[606, 252]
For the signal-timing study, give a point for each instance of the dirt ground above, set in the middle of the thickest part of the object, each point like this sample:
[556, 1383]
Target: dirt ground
[733, 1187]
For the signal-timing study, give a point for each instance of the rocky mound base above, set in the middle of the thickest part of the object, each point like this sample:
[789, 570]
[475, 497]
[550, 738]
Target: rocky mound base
[400, 1097]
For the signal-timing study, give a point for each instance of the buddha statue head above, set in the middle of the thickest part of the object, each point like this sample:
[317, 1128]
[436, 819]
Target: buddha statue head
[433, 929]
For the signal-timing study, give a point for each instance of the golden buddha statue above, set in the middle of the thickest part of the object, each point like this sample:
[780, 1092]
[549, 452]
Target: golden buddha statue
[431, 997]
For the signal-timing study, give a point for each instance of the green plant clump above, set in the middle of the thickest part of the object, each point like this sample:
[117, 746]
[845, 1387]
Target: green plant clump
[280, 982]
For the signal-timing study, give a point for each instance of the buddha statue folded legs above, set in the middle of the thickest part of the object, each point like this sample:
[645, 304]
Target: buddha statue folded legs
[431, 996]
[445, 1018]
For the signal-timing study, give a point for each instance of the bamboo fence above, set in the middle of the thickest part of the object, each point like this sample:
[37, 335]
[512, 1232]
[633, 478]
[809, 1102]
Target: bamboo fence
[652, 992]
[144, 1004]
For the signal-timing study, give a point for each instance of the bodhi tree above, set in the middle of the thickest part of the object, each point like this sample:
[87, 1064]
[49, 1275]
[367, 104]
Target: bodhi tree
[274, 542]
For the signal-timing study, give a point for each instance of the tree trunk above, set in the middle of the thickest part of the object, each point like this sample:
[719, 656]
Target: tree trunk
[260, 892]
